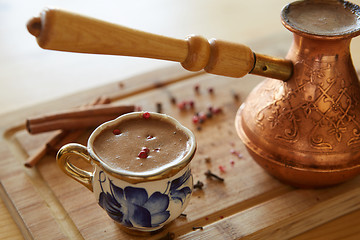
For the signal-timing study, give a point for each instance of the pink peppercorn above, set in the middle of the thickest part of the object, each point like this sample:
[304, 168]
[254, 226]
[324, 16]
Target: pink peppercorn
[181, 105]
[143, 154]
[217, 110]
[236, 153]
[202, 116]
[145, 149]
[195, 119]
[191, 104]
[146, 115]
[222, 168]
[116, 131]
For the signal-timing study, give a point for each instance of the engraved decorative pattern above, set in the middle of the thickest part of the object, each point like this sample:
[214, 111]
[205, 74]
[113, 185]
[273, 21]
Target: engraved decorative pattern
[322, 98]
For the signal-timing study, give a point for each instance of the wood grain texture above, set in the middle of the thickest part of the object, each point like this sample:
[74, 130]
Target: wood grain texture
[8, 213]
[62, 30]
[66, 31]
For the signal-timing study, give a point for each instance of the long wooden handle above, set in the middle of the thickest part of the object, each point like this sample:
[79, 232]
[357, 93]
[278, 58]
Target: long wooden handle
[57, 29]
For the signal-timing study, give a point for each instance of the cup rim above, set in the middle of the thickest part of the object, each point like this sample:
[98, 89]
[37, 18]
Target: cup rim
[164, 171]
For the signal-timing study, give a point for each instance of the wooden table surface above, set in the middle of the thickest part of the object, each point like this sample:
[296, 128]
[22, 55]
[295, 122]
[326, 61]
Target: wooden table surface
[30, 75]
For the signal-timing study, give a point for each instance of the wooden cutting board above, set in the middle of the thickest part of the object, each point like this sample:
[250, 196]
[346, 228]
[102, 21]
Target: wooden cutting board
[46, 204]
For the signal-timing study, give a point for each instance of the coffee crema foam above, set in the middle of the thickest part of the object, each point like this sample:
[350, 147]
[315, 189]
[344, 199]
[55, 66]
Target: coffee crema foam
[165, 141]
[322, 18]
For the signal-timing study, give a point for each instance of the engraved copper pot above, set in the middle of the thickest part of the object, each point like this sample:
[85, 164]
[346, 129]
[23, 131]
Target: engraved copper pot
[306, 131]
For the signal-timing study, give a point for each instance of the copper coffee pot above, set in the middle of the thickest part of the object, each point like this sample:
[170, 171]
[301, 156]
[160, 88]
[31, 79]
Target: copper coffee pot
[301, 124]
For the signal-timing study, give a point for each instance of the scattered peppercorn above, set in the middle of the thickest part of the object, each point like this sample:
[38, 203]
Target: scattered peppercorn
[235, 96]
[191, 104]
[116, 131]
[222, 169]
[202, 116]
[173, 100]
[146, 115]
[211, 90]
[199, 185]
[143, 154]
[236, 153]
[195, 119]
[197, 88]
[145, 149]
[158, 107]
[217, 110]
[182, 105]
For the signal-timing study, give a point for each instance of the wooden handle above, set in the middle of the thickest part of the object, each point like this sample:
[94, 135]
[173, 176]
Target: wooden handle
[57, 29]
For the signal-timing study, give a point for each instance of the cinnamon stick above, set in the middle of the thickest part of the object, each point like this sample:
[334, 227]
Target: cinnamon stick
[61, 138]
[43, 150]
[90, 116]
[69, 137]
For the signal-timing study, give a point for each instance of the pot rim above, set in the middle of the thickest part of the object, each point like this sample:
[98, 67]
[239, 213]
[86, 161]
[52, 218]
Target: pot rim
[352, 31]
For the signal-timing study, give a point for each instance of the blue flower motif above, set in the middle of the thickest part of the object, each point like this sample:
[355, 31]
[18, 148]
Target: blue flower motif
[176, 192]
[132, 207]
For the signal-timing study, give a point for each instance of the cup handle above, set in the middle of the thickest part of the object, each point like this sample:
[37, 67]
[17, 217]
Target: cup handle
[63, 160]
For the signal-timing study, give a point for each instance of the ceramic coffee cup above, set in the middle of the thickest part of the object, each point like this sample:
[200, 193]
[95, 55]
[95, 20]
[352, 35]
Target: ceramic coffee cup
[137, 200]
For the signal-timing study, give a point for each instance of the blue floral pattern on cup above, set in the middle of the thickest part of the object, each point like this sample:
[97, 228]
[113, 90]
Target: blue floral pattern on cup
[133, 207]
[176, 192]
